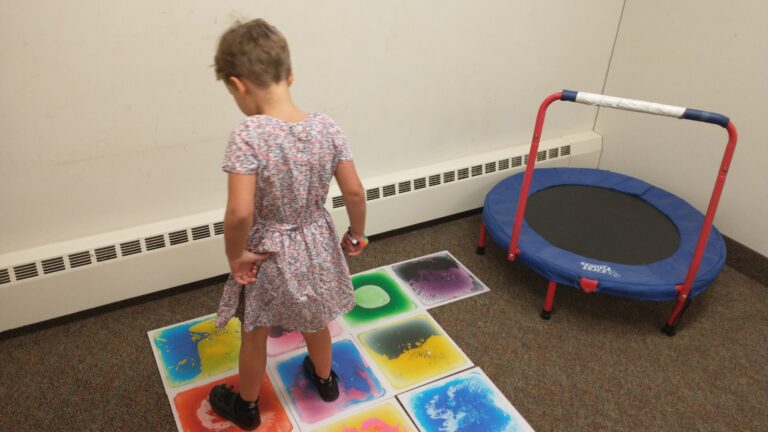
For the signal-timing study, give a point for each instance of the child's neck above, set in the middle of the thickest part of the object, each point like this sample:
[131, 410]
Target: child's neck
[275, 101]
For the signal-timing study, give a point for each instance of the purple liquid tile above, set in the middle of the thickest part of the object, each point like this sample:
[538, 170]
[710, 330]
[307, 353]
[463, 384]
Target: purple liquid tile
[438, 278]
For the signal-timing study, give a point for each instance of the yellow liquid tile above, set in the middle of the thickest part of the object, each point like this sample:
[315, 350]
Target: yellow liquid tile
[220, 350]
[433, 357]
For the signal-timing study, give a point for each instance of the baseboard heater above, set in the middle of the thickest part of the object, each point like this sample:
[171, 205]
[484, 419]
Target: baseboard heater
[62, 278]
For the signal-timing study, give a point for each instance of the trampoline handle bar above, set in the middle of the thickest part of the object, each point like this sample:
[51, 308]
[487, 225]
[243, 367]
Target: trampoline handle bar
[644, 107]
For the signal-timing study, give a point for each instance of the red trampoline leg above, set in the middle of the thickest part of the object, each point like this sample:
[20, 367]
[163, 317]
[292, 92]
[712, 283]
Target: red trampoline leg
[481, 241]
[682, 304]
[684, 290]
[546, 313]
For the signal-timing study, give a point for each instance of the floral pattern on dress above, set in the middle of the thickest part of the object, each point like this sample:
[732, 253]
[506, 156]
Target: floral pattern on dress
[305, 282]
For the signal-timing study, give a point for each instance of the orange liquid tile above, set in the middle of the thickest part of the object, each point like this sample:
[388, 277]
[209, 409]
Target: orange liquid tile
[196, 414]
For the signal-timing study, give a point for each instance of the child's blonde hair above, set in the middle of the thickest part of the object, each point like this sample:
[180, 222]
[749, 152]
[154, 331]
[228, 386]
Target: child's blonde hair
[254, 50]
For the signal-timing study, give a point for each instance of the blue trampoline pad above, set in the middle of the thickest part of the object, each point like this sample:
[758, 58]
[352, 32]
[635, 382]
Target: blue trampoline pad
[634, 239]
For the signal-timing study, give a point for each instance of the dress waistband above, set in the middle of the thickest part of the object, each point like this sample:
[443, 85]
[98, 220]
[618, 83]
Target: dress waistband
[296, 223]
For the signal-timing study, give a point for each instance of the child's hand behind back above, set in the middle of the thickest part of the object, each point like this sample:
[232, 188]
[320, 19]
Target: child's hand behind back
[245, 268]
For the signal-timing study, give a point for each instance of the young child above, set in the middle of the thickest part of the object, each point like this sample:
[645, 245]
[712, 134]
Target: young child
[288, 268]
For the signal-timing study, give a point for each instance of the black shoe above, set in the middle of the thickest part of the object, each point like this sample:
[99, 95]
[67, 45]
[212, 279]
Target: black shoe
[225, 402]
[327, 388]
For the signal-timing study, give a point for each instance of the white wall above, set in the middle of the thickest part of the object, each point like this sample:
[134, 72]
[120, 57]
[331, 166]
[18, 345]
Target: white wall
[702, 54]
[110, 116]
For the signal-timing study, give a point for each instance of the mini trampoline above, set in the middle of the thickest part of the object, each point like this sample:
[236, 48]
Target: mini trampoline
[606, 232]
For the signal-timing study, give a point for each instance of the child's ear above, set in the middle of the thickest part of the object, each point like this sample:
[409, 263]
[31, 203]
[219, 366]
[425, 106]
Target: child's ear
[290, 79]
[236, 84]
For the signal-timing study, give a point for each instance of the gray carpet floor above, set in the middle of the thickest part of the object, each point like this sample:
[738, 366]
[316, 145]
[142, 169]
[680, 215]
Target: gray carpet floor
[600, 363]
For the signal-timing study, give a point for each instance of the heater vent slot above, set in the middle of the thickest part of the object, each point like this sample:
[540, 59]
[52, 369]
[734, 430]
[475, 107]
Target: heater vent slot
[130, 248]
[404, 187]
[338, 201]
[503, 164]
[565, 150]
[434, 180]
[525, 159]
[477, 170]
[154, 242]
[53, 265]
[389, 190]
[542, 155]
[4, 276]
[372, 194]
[80, 259]
[25, 271]
[517, 161]
[463, 173]
[449, 176]
[553, 153]
[218, 228]
[420, 183]
[178, 237]
[490, 167]
[105, 253]
[201, 232]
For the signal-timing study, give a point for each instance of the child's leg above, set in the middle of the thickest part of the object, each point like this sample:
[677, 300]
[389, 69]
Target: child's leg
[319, 347]
[253, 362]
[317, 366]
[243, 409]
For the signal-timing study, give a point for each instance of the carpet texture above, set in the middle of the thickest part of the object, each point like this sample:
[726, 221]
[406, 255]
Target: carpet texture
[600, 363]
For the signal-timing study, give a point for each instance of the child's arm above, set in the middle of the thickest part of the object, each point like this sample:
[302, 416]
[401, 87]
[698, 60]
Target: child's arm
[238, 220]
[354, 200]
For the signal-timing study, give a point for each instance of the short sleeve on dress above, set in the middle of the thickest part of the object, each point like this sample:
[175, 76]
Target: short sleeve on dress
[341, 149]
[343, 153]
[240, 156]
